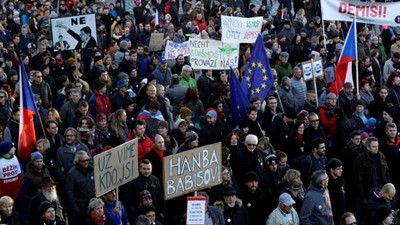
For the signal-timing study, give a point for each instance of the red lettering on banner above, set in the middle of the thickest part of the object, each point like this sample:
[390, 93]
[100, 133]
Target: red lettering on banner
[363, 10]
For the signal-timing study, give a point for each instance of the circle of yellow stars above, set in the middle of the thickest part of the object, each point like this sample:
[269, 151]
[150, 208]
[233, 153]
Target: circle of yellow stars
[254, 66]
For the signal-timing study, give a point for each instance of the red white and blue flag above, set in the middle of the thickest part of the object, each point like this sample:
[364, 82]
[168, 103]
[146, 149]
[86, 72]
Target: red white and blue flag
[343, 71]
[157, 19]
[27, 136]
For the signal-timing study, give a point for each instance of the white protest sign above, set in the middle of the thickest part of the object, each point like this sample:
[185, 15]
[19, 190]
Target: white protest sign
[196, 210]
[240, 30]
[192, 170]
[385, 13]
[307, 70]
[213, 55]
[173, 49]
[75, 32]
[115, 167]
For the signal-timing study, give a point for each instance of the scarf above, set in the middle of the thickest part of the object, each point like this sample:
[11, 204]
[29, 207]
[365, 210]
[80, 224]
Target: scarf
[87, 134]
[101, 131]
[99, 220]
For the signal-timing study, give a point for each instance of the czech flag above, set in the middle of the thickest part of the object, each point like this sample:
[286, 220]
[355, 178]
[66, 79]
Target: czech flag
[27, 136]
[344, 72]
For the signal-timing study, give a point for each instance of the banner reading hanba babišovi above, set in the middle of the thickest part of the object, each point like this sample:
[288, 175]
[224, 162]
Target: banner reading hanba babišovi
[213, 55]
[192, 170]
[240, 30]
[75, 32]
[115, 167]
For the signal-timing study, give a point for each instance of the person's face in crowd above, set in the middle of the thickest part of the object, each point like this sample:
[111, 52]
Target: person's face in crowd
[2, 98]
[251, 145]
[282, 162]
[272, 104]
[181, 60]
[391, 132]
[226, 176]
[194, 143]
[26, 60]
[389, 219]
[373, 147]
[322, 51]
[38, 78]
[159, 142]
[348, 90]
[7, 208]
[139, 131]
[103, 90]
[230, 200]
[83, 110]
[300, 129]
[350, 220]
[122, 117]
[356, 139]
[103, 123]
[245, 130]
[297, 73]
[257, 104]
[220, 107]
[359, 108]
[383, 93]
[84, 124]
[252, 115]
[75, 97]
[98, 211]
[211, 120]
[103, 75]
[16, 116]
[388, 196]
[147, 27]
[283, 59]
[152, 216]
[105, 11]
[273, 167]
[314, 122]
[108, 61]
[162, 130]
[134, 56]
[180, 33]
[52, 129]
[110, 197]
[40, 148]
[151, 91]
[70, 137]
[286, 209]
[145, 169]
[337, 172]
[321, 149]
[396, 81]
[252, 185]
[224, 78]
[331, 101]
[49, 215]
[127, 56]
[324, 183]
[234, 140]
[183, 127]
[38, 164]
[84, 161]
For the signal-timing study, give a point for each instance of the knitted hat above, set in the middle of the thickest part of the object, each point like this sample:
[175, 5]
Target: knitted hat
[5, 147]
[364, 135]
[184, 112]
[101, 117]
[145, 195]
[270, 159]
[44, 206]
[391, 110]
[291, 113]
[358, 102]
[251, 176]
[97, 58]
[382, 213]
[99, 85]
[123, 44]
[35, 156]
[121, 84]
[12, 73]
[191, 136]
[371, 122]
[229, 190]
[122, 75]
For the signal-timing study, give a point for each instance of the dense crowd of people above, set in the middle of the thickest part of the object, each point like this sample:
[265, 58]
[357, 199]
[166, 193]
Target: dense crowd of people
[302, 155]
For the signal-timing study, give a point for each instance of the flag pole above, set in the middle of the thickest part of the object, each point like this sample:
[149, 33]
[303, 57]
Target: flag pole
[280, 101]
[323, 26]
[314, 81]
[355, 38]
[41, 124]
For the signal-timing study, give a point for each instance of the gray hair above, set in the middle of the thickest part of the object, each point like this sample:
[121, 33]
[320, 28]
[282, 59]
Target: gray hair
[251, 137]
[94, 202]
[79, 154]
[142, 220]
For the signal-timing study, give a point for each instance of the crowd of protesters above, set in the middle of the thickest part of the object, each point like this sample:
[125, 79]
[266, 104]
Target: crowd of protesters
[302, 155]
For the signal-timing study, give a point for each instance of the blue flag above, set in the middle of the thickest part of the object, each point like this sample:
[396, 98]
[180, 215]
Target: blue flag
[258, 78]
[239, 100]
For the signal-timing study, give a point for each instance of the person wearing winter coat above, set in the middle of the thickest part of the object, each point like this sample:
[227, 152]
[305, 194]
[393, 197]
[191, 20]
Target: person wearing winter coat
[233, 209]
[284, 214]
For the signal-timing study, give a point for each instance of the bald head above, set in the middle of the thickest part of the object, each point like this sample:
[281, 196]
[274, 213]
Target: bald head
[158, 142]
[388, 191]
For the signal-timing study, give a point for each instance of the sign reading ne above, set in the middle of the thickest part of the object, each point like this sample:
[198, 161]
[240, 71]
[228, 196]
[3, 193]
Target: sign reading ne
[74, 32]
[115, 167]
[196, 210]
[240, 30]
[192, 170]
[213, 55]
[173, 49]
[386, 13]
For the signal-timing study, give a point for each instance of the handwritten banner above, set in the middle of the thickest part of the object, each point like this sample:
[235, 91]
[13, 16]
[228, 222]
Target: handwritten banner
[213, 55]
[240, 30]
[192, 170]
[385, 13]
[115, 167]
[196, 210]
[172, 50]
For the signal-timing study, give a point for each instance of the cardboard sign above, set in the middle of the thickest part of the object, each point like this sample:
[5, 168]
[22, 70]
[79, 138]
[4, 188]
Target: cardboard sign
[196, 210]
[307, 70]
[115, 167]
[172, 50]
[240, 30]
[385, 13]
[156, 41]
[75, 32]
[192, 170]
[213, 55]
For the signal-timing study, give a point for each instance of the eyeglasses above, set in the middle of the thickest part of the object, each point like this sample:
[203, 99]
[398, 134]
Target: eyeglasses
[251, 145]
[314, 121]
[85, 160]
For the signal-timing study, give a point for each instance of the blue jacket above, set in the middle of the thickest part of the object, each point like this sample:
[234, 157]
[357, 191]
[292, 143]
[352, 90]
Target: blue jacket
[144, 62]
[163, 76]
[315, 210]
[121, 218]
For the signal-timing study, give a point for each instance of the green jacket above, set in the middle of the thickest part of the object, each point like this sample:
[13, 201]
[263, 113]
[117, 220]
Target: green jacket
[191, 83]
[283, 70]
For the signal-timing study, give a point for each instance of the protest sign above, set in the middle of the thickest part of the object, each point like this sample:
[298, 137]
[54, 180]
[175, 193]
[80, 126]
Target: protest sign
[192, 170]
[115, 167]
[196, 210]
[240, 30]
[307, 70]
[74, 32]
[173, 49]
[156, 41]
[213, 55]
[385, 13]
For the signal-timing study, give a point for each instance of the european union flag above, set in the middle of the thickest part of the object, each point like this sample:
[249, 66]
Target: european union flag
[239, 100]
[258, 78]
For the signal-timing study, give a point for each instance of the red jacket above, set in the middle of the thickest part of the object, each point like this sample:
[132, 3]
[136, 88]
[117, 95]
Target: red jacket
[99, 104]
[10, 177]
[145, 144]
[328, 123]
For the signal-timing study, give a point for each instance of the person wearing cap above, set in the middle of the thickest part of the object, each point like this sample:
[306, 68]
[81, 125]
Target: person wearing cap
[270, 182]
[298, 87]
[359, 118]
[326, 115]
[47, 214]
[233, 209]
[99, 101]
[10, 170]
[69, 107]
[252, 12]
[211, 131]
[316, 208]
[362, 46]
[162, 73]
[379, 198]
[118, 98]
[283, 67]
[191, 141]
[42, 88]
[186, 79]
[370, 170]
[119, 55]
[114, 209]
[284, 214]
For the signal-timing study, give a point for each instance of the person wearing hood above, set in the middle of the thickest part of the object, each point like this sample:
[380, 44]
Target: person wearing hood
[316, 208]
[379, 198]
